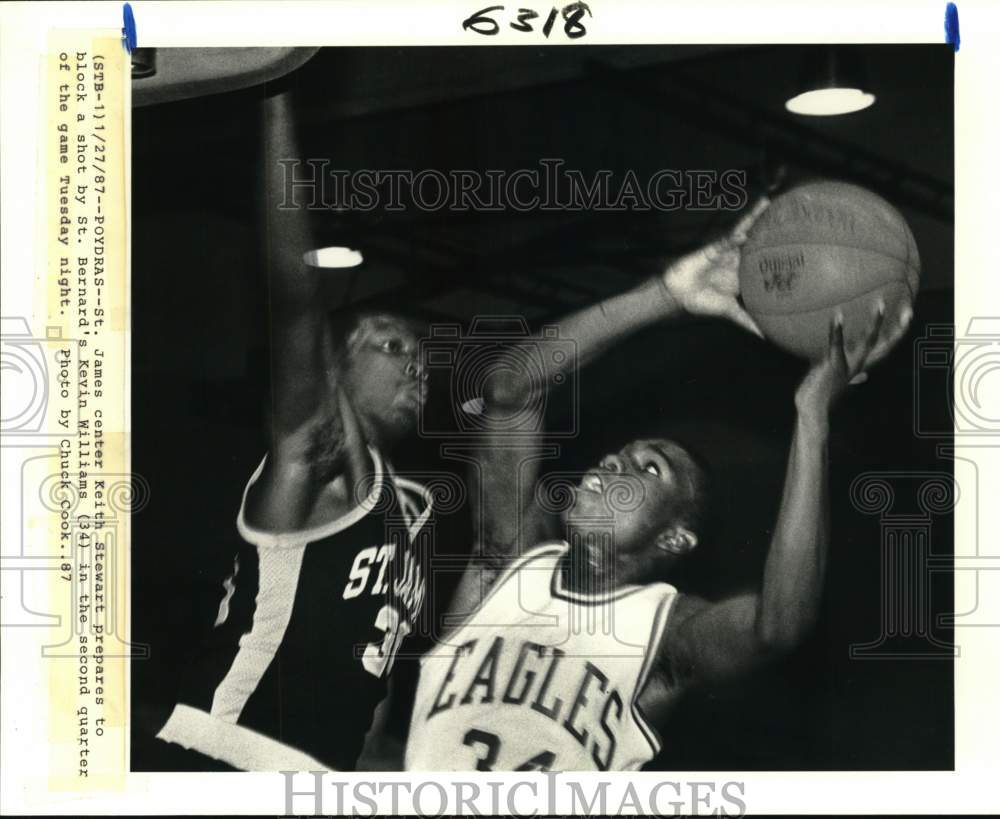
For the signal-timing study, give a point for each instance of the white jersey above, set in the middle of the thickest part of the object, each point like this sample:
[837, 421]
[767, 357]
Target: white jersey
[541, 678]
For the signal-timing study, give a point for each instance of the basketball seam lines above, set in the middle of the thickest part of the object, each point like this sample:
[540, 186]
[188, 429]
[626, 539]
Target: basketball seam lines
[837, 303]
[905, 261]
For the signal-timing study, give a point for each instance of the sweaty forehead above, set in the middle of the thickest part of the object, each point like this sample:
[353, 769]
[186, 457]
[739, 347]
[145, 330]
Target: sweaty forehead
[665, 447]
[382, 326]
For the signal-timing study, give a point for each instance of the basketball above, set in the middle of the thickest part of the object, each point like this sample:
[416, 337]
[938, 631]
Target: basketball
[823, 248]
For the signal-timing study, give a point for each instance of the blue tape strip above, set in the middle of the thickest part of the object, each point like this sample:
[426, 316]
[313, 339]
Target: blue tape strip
[129, 37]
[951, 33]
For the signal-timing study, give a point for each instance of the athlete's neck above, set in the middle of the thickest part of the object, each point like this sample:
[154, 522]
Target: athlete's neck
[591, 565]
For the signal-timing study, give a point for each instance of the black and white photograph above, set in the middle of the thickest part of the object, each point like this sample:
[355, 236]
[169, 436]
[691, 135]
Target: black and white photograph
[543, 408]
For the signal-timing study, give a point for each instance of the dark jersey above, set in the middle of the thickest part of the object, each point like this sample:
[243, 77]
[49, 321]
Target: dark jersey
[306, 634]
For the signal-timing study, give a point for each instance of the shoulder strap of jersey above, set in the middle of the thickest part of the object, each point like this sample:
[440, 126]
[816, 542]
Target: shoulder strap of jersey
[246, 531]
[555, 548]
[552, 549]
[263, 538]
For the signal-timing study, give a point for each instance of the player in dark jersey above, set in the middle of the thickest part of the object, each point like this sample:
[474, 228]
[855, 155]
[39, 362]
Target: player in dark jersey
[563, 655]
[330, 575]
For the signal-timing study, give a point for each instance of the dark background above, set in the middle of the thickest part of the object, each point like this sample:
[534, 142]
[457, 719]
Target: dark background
[199, 353]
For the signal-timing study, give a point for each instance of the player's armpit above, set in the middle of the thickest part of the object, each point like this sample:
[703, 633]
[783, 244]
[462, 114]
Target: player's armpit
[488, 563]
[713, 642]
[477, 579]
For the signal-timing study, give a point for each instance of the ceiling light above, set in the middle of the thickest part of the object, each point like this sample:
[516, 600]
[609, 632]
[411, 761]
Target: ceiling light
[333, 257]
[827, 102]
[832, 82]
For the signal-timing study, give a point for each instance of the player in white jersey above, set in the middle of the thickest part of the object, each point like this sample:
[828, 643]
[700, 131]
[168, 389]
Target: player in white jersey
[543, 677]
[566, 655]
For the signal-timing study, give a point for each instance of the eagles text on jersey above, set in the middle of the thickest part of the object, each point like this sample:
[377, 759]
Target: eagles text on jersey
[541, 677]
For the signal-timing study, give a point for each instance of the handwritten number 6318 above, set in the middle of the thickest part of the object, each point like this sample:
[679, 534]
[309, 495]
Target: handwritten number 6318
[482, 23]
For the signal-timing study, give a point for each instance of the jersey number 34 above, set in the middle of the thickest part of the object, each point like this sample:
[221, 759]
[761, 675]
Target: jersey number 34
[488, 748]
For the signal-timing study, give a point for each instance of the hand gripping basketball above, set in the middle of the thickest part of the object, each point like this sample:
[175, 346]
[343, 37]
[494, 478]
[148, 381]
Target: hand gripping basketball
[706, 282]
[823, 249]
[842, 365]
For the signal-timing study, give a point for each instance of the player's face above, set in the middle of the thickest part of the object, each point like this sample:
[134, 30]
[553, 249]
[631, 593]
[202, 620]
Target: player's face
[388, 381]
[637, 492]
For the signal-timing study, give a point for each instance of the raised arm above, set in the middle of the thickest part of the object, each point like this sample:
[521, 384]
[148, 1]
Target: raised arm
[299, 334]
[303, 402]
[702, 283]
[502, 479]
[708, 642]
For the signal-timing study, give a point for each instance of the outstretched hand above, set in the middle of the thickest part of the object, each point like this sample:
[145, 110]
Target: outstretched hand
[706, 282]
[843, 364]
